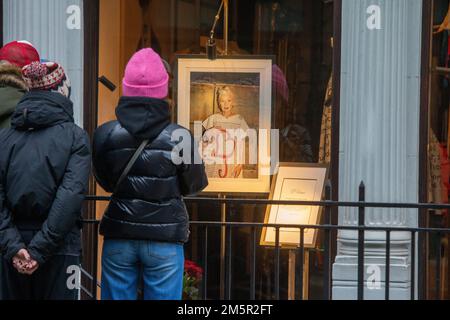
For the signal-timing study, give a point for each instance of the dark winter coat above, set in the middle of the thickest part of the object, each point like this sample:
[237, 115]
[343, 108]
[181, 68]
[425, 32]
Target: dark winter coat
[44, 169]
[148, 204]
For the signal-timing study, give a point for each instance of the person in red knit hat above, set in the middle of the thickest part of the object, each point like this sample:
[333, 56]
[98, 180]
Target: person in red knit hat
[44, 170]
[47, 76]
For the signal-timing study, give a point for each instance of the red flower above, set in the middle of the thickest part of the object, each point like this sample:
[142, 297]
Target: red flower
[193, 270]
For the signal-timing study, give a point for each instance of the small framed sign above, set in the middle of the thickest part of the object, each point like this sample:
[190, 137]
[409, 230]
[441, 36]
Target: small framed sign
[295, 182]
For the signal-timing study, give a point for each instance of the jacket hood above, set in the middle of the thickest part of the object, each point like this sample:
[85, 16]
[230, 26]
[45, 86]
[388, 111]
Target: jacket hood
[144, 118]
[42, 109]
[11, 76]
[9, 98]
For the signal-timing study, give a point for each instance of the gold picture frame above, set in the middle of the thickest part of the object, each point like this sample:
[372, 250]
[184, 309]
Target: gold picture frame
[295, 182]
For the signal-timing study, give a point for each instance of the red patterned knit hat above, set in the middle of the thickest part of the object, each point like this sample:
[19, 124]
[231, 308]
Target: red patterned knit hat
[47, 76]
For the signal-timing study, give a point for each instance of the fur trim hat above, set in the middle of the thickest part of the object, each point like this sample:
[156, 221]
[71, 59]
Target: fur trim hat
[11, 76]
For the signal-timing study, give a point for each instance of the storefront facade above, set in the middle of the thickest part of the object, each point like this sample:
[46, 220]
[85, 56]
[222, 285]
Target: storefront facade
[354, 88]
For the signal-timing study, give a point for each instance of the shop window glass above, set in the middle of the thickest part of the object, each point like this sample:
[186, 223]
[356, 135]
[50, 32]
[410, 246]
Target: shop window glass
[298, 34]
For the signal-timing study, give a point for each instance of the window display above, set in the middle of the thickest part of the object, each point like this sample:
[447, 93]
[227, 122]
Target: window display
[297, 35]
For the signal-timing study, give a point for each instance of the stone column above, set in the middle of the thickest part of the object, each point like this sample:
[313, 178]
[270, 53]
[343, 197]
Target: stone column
[52, 26]
[379, 138]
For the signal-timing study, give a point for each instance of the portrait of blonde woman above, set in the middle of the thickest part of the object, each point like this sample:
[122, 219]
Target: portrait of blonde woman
[222, 136]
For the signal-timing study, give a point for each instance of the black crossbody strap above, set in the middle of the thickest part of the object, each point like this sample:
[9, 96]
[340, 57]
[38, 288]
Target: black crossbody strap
[130, 164]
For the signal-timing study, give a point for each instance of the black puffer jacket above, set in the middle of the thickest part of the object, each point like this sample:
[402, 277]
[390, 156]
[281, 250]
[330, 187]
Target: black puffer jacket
[148, 204]
[44, 170]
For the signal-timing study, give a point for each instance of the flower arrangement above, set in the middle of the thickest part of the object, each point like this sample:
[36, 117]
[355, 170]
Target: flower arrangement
[191, 280]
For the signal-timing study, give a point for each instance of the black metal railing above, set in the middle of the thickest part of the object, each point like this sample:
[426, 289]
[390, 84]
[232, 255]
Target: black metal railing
[208, 228]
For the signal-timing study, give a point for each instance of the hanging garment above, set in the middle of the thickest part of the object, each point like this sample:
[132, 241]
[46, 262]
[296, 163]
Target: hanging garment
[447, 57]
[325, 133]
[445, 174]
[446, 49]
[434, 170]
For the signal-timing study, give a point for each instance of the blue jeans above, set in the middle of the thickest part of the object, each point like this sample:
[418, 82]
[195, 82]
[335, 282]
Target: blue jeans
[162, 266]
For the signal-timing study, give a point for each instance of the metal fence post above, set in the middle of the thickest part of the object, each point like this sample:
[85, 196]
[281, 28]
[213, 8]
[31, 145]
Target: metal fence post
[94, 291]
[361, 223]
[327, 245]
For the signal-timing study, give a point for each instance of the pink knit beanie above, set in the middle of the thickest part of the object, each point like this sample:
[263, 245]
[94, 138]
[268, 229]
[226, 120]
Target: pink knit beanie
[146, 76]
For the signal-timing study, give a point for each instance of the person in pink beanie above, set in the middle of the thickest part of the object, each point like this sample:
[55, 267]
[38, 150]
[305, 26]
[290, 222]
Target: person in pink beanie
[146, 222]
[146, 76]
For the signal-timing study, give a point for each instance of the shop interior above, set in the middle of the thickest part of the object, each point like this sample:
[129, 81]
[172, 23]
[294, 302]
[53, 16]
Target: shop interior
[298, 35]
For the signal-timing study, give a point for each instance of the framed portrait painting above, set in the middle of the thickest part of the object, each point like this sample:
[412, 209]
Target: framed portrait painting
[295, 182]
[227, 104]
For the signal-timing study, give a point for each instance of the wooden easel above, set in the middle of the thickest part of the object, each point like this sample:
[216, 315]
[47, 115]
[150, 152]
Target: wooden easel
[291, 274]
